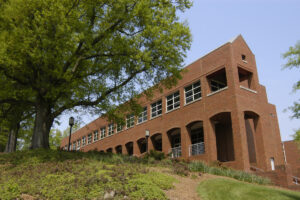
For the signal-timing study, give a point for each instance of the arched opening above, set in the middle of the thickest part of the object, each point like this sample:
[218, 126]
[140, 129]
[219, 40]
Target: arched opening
[251, 123]
[119, 149]
[222, 126]
[142, 145]
[129, 148]
[109, 150]
[157, 141]
[196, 133]
[175, 141]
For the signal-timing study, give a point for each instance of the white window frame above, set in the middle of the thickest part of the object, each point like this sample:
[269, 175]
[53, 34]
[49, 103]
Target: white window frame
[129, 121]
[78, 144]
[156, 105]
[170, 101]
[143, 116]
[96, 136]
[193, 92]
[90, 137]
[74, 146]
[119, 128]
[111, 129]
[83, 140]
[102, 132]
[66, 147]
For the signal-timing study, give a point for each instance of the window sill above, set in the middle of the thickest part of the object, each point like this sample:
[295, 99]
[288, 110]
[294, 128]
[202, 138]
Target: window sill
[215, 92]
[245, 61]
[172, 110]
[192, 101]
[129, 128]
[141, 122]
[245, 88]
[156, 116]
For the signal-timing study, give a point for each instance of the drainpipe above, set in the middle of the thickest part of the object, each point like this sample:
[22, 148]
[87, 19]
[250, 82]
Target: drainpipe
[284, 155]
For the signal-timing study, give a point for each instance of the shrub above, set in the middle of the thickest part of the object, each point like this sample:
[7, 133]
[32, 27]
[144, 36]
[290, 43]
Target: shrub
[157, 155]
[224, 171]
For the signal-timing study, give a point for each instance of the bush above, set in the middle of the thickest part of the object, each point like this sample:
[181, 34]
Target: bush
[224, 171]
[157, 155]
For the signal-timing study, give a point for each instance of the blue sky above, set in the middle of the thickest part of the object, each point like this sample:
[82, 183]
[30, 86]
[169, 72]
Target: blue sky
[269, 27]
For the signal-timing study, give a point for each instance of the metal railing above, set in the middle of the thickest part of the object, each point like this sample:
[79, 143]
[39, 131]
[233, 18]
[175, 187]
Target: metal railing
[175, 152]
[197, 149]
[296, 180]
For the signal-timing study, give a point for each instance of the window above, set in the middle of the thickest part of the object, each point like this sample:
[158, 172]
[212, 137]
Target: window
[95, 136]
[272, 163]
[111, 129]
[192, 92]
[78, 144]
[129, 121]
[103, 130]
[89, 138]
[216, 85]
[119, 127]
[156, 109]
[243, 57]
[245, 78]
[74, 146]
[217, 80]
[83, 140]
[142, 116]
[173, 101]
[66, 147]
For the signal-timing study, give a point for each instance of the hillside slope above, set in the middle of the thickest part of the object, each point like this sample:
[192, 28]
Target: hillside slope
[49, 174]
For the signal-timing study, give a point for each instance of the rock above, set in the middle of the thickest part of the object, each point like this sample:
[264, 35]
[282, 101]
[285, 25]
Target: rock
[109, 195]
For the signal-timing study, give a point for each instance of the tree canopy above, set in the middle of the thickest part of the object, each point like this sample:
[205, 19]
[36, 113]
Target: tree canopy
[60, 55]
[293, 56]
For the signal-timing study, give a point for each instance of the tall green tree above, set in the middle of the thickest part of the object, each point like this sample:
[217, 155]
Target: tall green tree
[88, 53]
[293, 61]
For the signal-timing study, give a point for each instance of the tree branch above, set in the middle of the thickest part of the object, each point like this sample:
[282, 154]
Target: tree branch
[99, 99]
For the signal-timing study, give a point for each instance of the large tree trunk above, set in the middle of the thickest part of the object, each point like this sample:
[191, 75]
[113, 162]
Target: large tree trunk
[42, 126]
[11, 144]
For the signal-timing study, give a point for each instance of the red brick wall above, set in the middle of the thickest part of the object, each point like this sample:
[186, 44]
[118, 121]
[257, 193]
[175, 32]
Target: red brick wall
[292, 152]
[233, 100]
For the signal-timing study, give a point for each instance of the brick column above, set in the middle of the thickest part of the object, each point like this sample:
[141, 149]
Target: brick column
[166, 146]
[136, 150]
[185, 142]
[241, 154]
[150, 144]
[209, 140]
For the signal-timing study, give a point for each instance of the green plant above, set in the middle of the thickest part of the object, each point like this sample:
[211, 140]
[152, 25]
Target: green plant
[157, 155]
[224, 171]
[228, 189]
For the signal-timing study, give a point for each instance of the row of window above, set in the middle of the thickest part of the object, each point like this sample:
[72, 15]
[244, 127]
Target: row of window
[191, 94]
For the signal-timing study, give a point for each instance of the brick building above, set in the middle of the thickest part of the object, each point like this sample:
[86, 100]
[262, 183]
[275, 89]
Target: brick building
[292, 157]
[217, 111]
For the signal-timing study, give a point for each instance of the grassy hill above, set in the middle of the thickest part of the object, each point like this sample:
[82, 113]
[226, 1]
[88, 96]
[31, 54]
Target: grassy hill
[49, 174]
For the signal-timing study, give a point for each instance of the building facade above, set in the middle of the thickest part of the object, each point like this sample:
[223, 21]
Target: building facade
[292, 157]
[217, 112]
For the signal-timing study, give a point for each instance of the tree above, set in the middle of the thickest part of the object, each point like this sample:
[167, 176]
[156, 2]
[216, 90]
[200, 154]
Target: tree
[88, 53]
[293, 56]
[13, 118]
[55, 138]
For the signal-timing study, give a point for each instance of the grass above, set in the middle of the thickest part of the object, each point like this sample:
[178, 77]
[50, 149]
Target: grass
[50, 174]
[228, 172]
[225, 189]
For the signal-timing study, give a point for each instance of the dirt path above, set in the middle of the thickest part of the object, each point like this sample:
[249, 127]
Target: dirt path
[185, 189]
